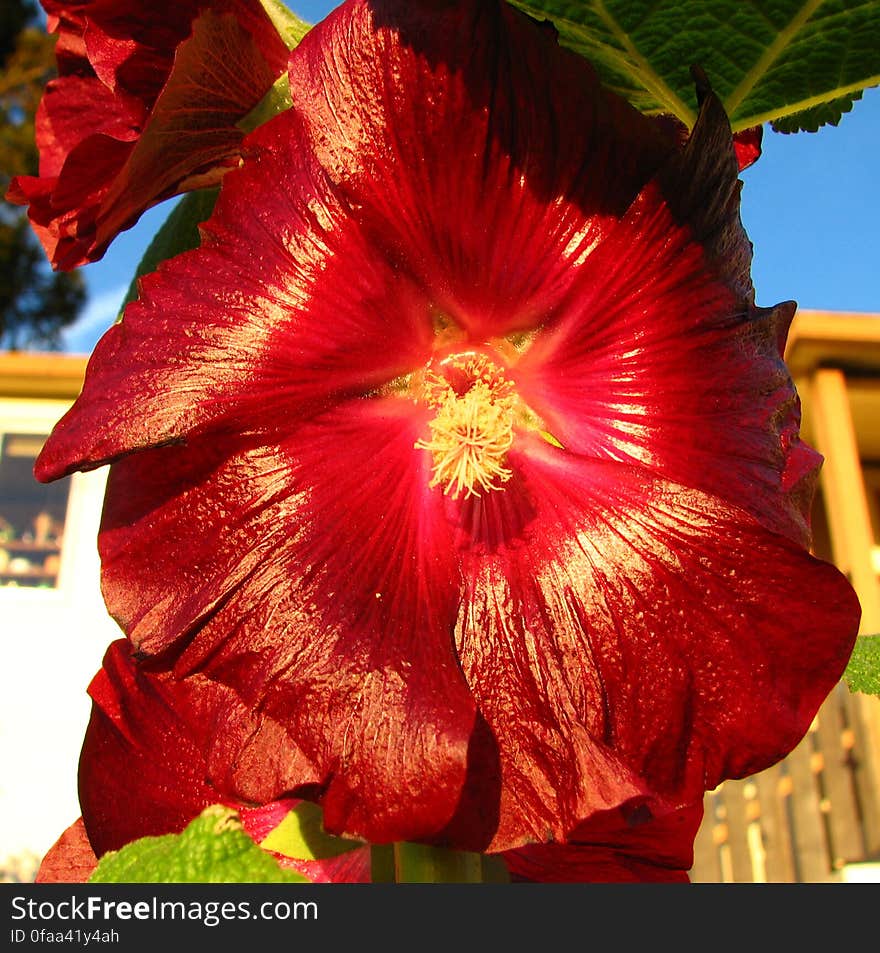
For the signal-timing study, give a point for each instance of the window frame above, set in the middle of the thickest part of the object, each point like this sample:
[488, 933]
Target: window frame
[32, 417]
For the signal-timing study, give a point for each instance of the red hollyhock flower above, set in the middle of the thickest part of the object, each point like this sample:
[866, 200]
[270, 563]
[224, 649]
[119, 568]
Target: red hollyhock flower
[461, 450]
[158, 750]
[144, 107]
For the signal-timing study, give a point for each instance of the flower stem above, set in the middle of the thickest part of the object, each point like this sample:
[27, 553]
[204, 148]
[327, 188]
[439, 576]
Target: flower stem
[382, 864]
[418, 863]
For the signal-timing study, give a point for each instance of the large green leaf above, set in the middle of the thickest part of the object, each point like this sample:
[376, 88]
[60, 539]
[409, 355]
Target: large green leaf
[863, 671]
[212, 849]
[766, 59]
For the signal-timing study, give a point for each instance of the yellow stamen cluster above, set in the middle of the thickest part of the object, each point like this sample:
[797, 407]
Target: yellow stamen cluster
[473, 427]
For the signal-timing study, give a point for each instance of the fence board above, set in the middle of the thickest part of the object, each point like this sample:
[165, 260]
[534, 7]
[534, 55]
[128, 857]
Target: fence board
[838, 801]
[814, 865]
[774, 794]
[741, 866]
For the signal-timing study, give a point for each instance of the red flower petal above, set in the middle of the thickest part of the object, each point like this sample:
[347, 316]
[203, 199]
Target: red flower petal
[316, 577]
[141, 110]
[747, 144]
[627, 626]
[654, 361]
[644, 850]
[353, 867]
[490, 192]
[70, 860]
[186, 743]
[296, 316]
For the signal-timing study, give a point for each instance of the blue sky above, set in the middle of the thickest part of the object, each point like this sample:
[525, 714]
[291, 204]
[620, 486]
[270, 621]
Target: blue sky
[810, 206]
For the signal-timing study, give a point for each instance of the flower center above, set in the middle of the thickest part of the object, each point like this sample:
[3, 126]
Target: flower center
[472, 429]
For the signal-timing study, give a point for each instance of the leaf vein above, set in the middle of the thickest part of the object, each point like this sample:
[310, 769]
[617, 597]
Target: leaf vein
[649, 77]
[783, 39]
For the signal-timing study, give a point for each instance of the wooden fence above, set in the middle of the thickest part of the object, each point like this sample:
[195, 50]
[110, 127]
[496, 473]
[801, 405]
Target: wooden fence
[803, 820]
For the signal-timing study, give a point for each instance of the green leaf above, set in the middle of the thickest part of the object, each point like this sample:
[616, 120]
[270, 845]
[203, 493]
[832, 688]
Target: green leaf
[863, 671]
[212, 849]
[179, 233]
[765, 59]
[810, 120]
[286, 22]
[301, 835]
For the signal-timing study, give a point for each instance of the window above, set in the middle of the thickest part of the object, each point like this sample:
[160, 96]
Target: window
[32, 516]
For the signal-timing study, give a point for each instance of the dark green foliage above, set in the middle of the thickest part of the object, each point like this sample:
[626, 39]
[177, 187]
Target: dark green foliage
[35, 304]
[14, 16]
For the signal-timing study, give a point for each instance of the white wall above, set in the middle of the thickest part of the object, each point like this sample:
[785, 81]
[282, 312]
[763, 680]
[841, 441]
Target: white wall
[52, 642]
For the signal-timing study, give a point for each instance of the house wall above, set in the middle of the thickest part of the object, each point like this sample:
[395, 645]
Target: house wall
[53, 641]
